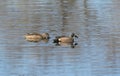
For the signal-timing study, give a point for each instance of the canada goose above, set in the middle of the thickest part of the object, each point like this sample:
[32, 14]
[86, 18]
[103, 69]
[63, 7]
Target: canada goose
[65, 39]
[36, 37]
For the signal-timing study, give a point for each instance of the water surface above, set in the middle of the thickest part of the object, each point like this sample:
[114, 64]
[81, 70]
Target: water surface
[96, 22]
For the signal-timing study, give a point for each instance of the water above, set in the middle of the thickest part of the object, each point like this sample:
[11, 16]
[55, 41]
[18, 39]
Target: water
[96, 22]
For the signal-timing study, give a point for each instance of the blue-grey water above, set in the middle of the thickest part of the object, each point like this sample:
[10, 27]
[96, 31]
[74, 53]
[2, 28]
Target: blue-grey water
[96, 22]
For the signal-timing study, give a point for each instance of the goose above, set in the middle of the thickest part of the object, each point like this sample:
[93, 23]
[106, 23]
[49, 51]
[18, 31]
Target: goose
[65, 39]
[36, 37]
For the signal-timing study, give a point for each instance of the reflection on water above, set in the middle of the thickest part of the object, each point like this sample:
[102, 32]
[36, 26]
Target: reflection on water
[95, 21]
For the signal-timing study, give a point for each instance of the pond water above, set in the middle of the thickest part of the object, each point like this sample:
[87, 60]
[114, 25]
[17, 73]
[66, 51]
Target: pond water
[96, 22]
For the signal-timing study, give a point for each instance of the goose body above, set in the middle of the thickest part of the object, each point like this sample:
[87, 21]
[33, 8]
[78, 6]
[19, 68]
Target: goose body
[71, 44]
[66, 39]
